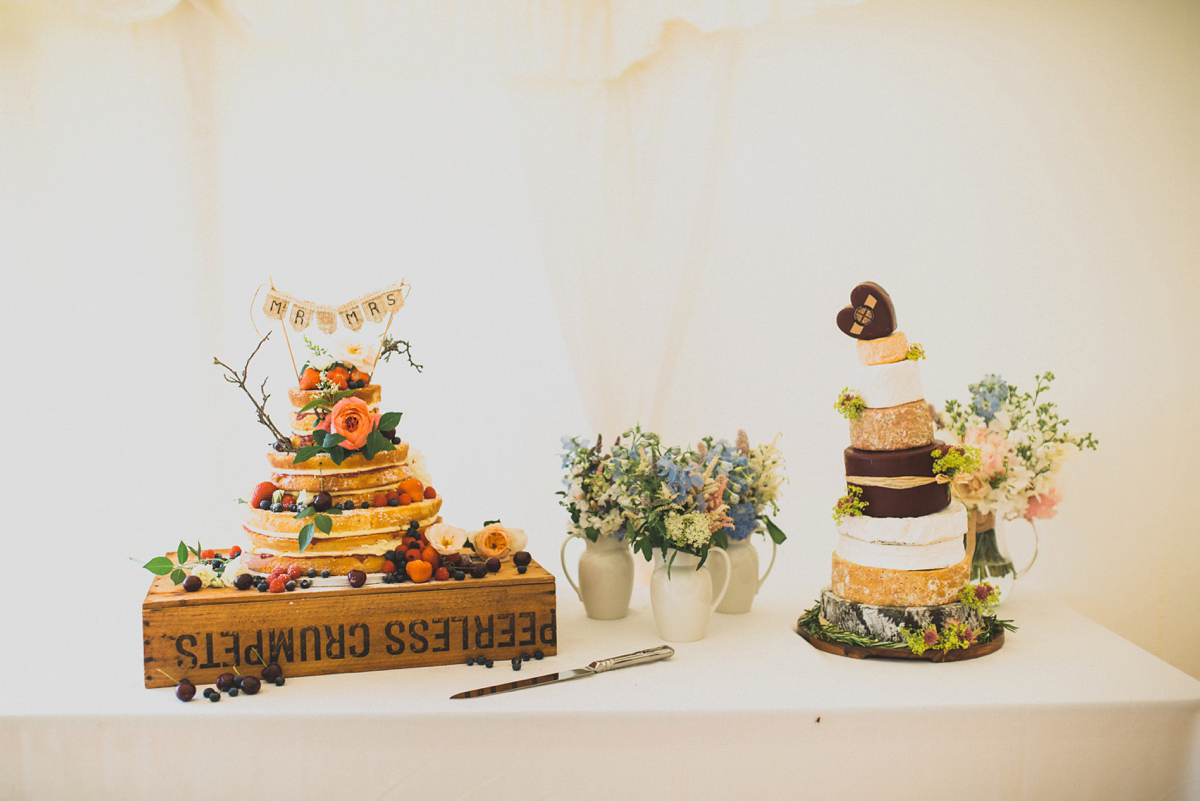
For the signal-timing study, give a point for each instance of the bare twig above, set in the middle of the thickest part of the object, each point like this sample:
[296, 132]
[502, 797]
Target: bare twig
[401, 347]
[260, 406]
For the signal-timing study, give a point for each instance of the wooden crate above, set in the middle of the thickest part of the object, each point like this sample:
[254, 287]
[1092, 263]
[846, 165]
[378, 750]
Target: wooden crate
[344, 630]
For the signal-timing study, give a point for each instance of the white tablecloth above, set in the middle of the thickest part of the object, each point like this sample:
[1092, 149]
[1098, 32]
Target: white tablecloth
[1065, 710]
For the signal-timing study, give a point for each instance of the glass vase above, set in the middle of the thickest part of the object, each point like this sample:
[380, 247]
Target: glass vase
[991, 560]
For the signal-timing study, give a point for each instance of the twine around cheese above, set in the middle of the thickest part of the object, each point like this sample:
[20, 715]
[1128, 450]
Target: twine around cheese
[898, 482]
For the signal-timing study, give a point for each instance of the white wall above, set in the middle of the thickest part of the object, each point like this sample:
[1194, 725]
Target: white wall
[1022, 177]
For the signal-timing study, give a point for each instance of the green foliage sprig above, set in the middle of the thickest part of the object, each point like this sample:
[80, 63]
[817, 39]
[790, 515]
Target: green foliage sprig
[330, 443]
[812, 623]
[850, 404]
[321, 521]
[849, 505]
[956, 459]
[163, 566]
[916, 352]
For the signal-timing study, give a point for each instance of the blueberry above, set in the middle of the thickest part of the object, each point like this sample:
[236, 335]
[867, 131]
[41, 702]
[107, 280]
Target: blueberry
[389, 578]
[208, 691]
[489, 663]
[470, 662]
[538, 654]
[262, 587]
[233, 692]
[516, 663]
[243, 581]
[393, 501]
[365, 505]
[312, 572]
[214, 697]
[291, 507]
[522, 568]
[414, 526]
[525, 656]
[279, 681]
[481, 659]
[291, 585]
[277, 507]
[390, 556]
[395, 440]
[305, 584]
[348, 505]
[264, 504]
[324, 574]
[459, 575]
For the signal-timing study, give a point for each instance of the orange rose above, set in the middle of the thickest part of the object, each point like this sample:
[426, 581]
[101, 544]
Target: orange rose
[497, 540]
[352, 418]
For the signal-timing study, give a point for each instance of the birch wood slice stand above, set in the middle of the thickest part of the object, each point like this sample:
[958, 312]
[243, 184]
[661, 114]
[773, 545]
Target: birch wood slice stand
[864, 652]
[321, 630]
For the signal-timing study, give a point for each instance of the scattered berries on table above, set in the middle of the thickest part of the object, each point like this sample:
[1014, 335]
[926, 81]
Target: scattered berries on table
[478, 570]
[272, 672]
[441, 574]
[186, 691]
[250, 685]
[291, 585]
[522, 568]
[295, 572]
[516, 663]
[459, 575]
[493, 564]
[279, 681]
[224, 681]
[233, 692]
[489, 663]
[538, 654]
[263, 586]
[522, 558]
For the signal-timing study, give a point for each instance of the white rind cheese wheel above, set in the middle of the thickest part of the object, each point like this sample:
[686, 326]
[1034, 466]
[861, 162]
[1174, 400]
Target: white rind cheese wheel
[884, 350]
[901, 557]
[948, 524]
[883, 385]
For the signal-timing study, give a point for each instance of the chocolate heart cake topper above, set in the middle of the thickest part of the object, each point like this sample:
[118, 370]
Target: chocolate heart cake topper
[870, 314]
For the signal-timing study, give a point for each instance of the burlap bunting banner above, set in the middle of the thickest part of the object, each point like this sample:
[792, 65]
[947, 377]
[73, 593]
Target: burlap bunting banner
[373, 306]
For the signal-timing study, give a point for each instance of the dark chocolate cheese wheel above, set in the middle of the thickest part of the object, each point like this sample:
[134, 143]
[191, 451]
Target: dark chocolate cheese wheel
[885, 502]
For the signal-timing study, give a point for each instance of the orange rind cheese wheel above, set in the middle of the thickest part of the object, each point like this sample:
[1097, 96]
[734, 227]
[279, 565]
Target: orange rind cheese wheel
[884, 350]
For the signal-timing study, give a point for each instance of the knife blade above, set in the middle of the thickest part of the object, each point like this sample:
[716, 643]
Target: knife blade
[599, 666]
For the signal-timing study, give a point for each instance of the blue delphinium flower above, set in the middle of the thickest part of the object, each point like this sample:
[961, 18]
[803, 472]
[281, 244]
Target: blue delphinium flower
[744, 521]
[571, 447]
[988, 396]
[680, 480]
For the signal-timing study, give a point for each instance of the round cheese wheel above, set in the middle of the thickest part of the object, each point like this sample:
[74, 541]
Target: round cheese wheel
[884, 622]
[884, 350]
[909, 425]
[901, 557]
[948, 524]
[883, 385]
[878, 585]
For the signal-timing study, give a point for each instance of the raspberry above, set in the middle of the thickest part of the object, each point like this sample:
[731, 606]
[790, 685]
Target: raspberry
[393, 495]
[379, 500]
[388, 566]
[295, 571]
[288, 500]
[235, 552]
[430, 493]
[412, 554]
[208, 553]
[442, 574]
[278, 584]
[405, 500]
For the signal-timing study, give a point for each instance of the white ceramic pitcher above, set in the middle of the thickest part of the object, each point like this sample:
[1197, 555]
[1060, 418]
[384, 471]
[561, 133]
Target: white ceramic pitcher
[683, 601]
[744, 581]
[605, 576]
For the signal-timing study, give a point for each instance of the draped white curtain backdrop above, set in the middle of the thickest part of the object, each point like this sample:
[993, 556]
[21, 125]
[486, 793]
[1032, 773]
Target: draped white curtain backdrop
[610, 213]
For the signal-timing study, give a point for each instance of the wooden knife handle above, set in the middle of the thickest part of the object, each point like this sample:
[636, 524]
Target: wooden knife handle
[636, 658]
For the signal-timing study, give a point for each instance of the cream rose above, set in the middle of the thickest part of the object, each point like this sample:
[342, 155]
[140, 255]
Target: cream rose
[446, 539]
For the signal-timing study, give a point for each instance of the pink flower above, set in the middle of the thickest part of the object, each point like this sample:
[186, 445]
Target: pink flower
[993, 449]
[983, 592]
[969, 635]
[931, 636]
[1043, 507]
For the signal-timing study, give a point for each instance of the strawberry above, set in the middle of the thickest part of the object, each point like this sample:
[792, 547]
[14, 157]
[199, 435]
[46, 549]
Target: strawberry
[339, 376]
[262, 492]
[310, 378]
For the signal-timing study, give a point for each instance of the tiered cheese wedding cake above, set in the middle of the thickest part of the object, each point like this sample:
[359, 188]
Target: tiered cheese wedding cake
[900, 559]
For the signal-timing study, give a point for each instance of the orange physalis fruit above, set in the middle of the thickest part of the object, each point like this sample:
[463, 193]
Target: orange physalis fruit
[430, 555]
[418, 570]
[413, 488]
[339, 376]
[310, 378]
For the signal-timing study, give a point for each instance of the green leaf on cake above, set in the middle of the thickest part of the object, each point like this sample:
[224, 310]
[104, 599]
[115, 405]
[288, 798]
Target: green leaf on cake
[306, 453]
[331, 440]
[307, 511]
[178, 576]
[159, 566]
[306, 535]
[390, 421]
[777, 535]
[371, 446]
[181, 554]
[337, 453]
[324, 523]
[312, 404]
[318, 436]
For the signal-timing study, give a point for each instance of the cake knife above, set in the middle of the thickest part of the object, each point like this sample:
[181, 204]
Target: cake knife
[599, 666]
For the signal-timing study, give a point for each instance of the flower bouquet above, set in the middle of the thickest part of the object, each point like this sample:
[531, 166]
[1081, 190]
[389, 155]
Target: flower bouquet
[1023, 444]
